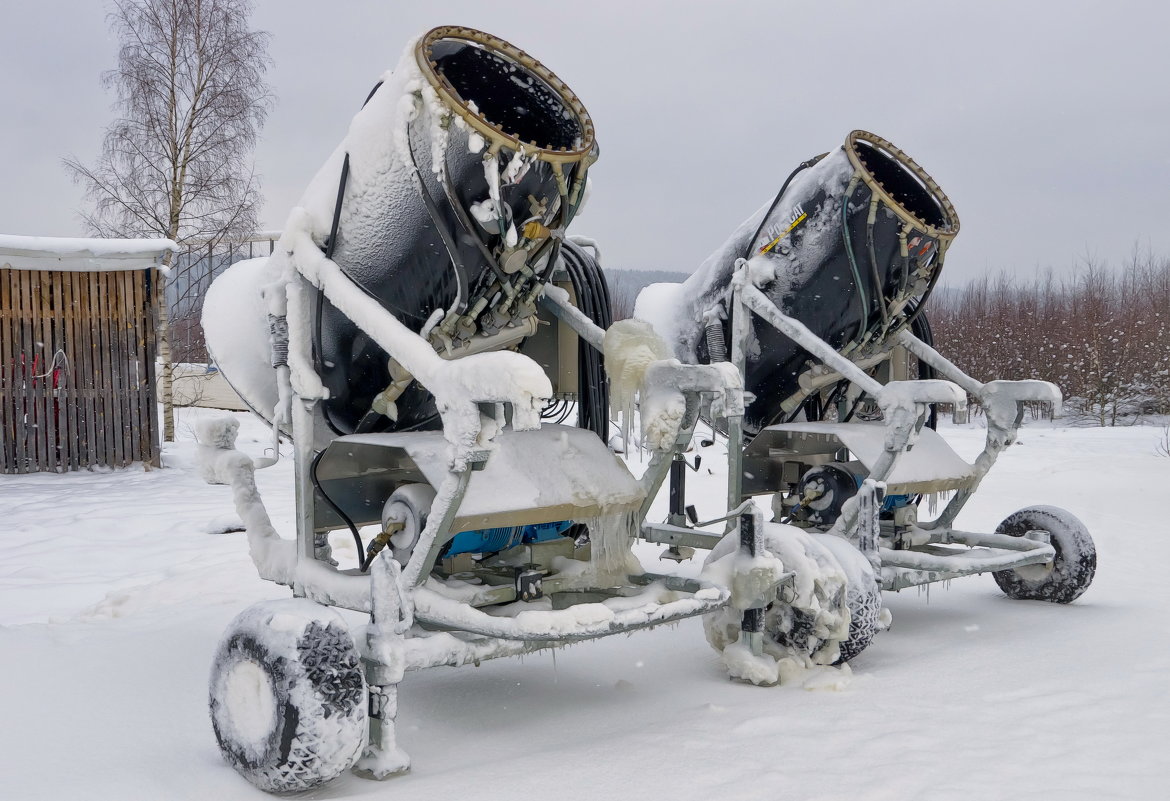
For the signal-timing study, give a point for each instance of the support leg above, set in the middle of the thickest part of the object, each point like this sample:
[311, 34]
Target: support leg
[384, 667]
[382, 758]
[752, 624]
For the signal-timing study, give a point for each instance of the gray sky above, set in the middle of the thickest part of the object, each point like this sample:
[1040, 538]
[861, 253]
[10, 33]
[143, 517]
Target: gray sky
[1045, 122]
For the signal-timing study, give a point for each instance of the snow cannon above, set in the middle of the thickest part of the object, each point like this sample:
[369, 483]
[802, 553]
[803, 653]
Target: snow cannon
[446, 204]
[394, 332]
[851, 247]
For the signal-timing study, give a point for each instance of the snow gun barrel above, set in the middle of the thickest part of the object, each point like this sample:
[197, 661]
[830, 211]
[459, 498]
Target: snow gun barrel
[461, 173]
[851, 246]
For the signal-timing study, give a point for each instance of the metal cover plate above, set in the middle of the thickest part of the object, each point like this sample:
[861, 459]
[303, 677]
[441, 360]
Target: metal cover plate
[554, 473]
[930, 466]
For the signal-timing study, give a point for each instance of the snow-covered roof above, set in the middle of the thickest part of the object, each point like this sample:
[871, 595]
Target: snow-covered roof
[78, 254]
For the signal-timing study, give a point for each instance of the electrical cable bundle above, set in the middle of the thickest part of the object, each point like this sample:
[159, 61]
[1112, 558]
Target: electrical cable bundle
[592, 297]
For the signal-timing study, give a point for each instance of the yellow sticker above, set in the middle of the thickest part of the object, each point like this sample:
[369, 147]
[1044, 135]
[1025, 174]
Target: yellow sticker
[787, 231]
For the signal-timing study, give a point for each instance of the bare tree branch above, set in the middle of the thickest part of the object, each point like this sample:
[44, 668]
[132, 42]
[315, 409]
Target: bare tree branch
[191, 99]
[177, 162]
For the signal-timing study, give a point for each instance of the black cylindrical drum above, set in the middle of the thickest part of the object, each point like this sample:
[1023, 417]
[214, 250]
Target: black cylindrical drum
[457, 175]
[850, 248]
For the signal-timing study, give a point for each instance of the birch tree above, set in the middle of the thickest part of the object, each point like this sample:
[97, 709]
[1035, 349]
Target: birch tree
[191, 98]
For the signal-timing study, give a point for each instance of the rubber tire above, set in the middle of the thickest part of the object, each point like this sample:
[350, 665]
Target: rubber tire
[1071, 571]
[287, 697]
[864, 595]
[791, 631]
[865, 608]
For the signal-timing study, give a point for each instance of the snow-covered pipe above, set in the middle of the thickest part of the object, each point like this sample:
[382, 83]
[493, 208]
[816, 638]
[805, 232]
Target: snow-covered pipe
[850, 248]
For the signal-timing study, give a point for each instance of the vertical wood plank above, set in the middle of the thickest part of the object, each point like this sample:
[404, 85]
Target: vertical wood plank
[110, 425]
[117, 363]
[68, 391]
[150, 277]
[49, 351]
[86, 378]
[18, 385]
[130, 343]
[89, 378]
[81, 381]
[27, 353]
[99, 374]
[114, 316]
[32, 367]
[58, 379]
[143, 407]
[7, 389]
[126, 356]
[26, 445]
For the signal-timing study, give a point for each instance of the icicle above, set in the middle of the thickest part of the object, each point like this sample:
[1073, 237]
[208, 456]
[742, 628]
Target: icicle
[610, 538]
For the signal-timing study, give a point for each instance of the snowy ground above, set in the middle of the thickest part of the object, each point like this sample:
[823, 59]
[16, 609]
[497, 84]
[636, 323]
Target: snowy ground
[114, 592]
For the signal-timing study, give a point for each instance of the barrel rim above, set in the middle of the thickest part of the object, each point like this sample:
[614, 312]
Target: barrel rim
[496, 136]
[947, 232]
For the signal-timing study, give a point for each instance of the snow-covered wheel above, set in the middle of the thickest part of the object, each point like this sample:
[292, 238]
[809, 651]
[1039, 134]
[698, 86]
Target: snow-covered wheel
[810, 621]
[1068, 575]
[288, 702]
[863, 596]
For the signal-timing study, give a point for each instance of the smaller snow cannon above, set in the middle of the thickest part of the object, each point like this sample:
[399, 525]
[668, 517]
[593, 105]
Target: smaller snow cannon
[851, 247]
[821, 297]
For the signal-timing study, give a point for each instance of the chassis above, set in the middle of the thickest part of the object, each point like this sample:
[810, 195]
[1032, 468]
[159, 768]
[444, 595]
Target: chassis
[426, 609]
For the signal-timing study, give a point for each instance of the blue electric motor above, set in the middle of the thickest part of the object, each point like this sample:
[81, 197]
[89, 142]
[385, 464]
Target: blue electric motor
[491, 540]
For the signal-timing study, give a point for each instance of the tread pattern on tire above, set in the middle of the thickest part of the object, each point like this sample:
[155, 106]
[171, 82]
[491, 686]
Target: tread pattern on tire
[315, 672]
[863, 595]
[865, 606]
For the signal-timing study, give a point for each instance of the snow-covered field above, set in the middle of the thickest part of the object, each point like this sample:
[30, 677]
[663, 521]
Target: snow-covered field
[114, 589]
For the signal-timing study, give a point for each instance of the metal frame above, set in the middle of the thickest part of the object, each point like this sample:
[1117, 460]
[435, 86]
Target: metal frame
[416, 623]
[930, 551]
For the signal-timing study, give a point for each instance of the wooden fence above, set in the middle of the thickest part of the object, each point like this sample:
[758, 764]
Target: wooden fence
[76, 370]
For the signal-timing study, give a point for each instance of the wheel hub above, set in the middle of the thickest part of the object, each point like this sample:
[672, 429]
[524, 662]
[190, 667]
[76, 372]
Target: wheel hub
[249, 701]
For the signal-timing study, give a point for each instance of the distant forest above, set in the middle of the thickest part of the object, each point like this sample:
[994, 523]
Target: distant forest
[1102, 333]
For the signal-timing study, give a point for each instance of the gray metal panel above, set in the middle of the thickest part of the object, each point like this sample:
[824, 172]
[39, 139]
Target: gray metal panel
[555, 473]
[930, 466]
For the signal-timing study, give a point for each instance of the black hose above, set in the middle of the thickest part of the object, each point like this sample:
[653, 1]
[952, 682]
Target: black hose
[920, 327]
[441, 227]
[879, 290]
[465, 221]
[363, 563]
[593, 299]
[331, 243]
[804, 165]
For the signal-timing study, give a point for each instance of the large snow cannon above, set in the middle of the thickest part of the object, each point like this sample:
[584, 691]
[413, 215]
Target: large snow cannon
[446, 202]
[850, 247]
[491, 160]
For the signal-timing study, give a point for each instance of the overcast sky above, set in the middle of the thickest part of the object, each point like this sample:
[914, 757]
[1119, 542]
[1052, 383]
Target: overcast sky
[1047, 123]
